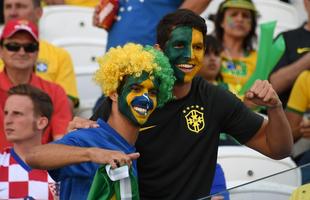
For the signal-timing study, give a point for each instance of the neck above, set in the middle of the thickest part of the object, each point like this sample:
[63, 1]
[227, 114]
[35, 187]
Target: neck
[18, 76]
[122, 125]
[233, 46]
[22, 148]
[180, 90]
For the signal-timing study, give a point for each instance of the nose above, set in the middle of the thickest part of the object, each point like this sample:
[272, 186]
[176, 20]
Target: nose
[12, 13]
[21, 51]
[212, 56]
[7, 118]
[188, 52]
[239, 16]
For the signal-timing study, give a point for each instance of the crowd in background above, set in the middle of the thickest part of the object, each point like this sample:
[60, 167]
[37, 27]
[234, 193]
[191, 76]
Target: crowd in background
[229, 62]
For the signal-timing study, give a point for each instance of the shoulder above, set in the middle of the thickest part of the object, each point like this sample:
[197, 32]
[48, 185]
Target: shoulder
[303, 80]
[291, 34]
[305, 75]
[5, 157]
[47, 47]
[81, 137]
[47, 86]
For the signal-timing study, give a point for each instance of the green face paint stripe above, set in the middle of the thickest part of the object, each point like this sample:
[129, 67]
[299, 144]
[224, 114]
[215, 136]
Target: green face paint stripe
[179, 36]
[124, 105]
[230, 22]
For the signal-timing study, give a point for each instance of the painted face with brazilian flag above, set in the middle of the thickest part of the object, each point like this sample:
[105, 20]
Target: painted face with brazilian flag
[138, 98]
[185, 50]
[141, 76]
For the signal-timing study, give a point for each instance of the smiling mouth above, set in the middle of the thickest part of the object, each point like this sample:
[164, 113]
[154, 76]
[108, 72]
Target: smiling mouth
[8, 130]
[186, 67]
[141, 111]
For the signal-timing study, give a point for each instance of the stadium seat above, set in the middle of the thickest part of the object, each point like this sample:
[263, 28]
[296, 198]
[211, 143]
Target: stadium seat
[285, 14]
[84, 52]
[71, 27]
[64, 21]
[261, 190]
[242, 165]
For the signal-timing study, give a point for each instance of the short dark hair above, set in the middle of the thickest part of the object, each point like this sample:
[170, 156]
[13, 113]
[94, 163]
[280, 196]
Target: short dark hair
[213, 45]
[181, 17]
[219, 31]
[36, 3]
[42, 103]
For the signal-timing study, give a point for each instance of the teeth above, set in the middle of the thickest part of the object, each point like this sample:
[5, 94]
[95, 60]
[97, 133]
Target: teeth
[141, 111]
[187, 66]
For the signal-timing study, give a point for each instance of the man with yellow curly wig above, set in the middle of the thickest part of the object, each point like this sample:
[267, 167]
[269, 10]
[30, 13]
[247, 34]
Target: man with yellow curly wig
[136, 80]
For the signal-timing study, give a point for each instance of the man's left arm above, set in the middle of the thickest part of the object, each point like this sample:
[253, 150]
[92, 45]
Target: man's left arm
[198, 6]
[274, 138]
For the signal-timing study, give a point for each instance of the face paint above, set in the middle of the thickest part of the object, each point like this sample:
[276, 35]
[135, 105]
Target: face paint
[138, 98]
[230, 22]
[185, 50]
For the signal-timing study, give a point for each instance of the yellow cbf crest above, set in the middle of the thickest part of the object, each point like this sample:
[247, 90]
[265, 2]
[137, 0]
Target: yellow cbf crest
[194, 117]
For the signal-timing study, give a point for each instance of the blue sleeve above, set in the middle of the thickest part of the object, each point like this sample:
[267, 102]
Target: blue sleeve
[77, 138]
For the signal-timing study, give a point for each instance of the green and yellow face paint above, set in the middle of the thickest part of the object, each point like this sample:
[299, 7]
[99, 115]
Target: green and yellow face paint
[185, 50]
[138, 98]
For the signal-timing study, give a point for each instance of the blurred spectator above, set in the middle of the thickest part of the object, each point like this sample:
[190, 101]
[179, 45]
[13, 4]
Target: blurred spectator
[235, 26]
[54, 64]
[19, 51]
[137, 20]
[27, 112]
[295, 59]
[297, 107]
[88, 3]
[211, 67]
[210, 71]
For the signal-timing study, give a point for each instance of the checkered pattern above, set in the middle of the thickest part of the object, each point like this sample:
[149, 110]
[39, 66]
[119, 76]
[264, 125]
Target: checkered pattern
[17, 182]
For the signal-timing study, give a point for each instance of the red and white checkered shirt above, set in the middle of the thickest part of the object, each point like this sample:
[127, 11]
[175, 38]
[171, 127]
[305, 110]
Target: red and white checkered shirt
[19, 181]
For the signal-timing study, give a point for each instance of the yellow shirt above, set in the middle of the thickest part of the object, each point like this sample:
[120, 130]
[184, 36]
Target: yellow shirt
[55, 64]
[299, 100]
[236, 72]
[88, 3]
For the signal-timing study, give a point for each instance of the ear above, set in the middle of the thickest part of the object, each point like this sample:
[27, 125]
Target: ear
[38, 13]
[156, 46]
[114, 96]
[42, 123]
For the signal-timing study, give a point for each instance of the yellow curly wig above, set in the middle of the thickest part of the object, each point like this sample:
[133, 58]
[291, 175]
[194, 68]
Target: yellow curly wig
[133, 59]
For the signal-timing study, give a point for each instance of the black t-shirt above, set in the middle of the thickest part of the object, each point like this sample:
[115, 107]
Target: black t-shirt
[297, 43]
[179, 142]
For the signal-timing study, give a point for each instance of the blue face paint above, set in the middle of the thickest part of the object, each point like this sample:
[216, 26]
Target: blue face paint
[143, 102]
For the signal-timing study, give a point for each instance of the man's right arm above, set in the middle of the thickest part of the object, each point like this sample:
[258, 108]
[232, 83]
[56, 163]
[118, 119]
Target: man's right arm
[285, 77]
[53, 156]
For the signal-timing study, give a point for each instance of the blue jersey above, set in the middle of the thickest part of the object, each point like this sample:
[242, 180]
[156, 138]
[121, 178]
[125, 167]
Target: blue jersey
[76, 180]
[137, 21]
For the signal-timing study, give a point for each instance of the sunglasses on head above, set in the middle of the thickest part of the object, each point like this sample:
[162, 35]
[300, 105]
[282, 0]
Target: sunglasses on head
[15, 47]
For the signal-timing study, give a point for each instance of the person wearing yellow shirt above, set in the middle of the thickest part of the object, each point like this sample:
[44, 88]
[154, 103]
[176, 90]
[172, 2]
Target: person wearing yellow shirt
[87, 3]
[297, 112]
[54, 63]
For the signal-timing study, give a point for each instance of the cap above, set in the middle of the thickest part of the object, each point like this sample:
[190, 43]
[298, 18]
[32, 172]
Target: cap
[246, 4]
[15, 25]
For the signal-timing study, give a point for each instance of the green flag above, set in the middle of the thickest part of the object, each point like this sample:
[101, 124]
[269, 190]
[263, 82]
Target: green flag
[268, 55]
[119, 184]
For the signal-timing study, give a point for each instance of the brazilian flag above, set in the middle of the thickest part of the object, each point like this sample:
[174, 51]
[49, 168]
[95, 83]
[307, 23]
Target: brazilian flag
[119, 184]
